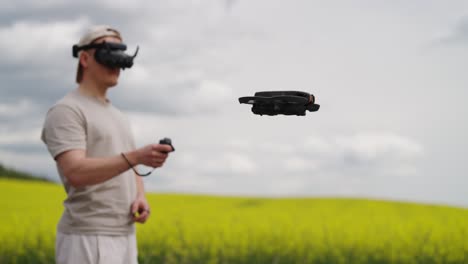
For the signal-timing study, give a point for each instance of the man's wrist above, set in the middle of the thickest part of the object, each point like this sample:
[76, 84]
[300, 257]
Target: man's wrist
[141, 195]
[132, 157]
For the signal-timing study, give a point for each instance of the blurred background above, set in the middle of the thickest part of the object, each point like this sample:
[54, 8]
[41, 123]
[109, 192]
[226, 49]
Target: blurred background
[389, 76]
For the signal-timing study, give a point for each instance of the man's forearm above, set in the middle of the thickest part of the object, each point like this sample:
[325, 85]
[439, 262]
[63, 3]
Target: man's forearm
[140, 186]
[90, 171]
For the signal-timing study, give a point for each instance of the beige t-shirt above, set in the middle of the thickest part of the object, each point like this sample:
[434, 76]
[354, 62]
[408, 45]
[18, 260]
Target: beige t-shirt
[83, 122]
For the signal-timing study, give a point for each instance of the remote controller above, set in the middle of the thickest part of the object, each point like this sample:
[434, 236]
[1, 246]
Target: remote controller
[167, 141]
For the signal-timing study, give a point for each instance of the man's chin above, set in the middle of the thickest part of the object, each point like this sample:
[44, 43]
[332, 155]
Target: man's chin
[112, 83]
[113, 77]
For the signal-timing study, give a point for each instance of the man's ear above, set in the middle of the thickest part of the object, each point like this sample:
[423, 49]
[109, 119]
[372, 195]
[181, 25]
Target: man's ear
[84, 59]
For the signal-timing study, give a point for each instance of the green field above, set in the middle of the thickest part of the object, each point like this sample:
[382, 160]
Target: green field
[208, 229]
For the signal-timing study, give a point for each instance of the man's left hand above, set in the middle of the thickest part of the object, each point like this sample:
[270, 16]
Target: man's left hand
[140, 210]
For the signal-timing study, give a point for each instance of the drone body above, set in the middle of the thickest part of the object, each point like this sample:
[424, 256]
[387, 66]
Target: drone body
[281, 103]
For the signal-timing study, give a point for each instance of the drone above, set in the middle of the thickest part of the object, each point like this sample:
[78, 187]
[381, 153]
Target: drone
[281, 103]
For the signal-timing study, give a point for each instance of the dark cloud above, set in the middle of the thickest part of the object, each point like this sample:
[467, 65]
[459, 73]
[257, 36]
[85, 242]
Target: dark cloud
[41, 92]
[24, 148]
[458, 35]
[461, 30]
[117, 14]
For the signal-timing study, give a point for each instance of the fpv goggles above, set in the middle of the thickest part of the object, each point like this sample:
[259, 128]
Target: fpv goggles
[109, 54]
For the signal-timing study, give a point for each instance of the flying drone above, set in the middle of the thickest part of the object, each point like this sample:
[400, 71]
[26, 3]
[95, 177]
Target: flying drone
[281, 103]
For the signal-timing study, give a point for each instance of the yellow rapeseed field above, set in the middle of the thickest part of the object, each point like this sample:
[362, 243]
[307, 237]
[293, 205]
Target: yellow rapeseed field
[210, 229]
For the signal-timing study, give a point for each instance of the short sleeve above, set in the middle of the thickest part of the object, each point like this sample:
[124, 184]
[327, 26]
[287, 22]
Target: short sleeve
[132, 142]
[64, 129]
[131, 135]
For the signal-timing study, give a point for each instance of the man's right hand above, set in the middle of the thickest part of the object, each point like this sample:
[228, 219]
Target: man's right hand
[153, 155]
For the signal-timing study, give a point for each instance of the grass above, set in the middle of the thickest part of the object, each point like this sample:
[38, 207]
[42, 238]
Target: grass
[209, 229]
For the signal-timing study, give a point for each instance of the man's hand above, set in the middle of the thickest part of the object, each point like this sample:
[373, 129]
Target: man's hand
[153, 155]
[140, 209]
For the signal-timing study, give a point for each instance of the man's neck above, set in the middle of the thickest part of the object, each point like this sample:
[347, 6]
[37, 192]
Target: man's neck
[93, 89]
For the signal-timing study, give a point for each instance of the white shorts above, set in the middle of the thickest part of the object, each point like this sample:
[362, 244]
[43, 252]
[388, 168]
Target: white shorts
[95, 249]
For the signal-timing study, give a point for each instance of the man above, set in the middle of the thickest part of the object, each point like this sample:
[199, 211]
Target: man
[94, 150]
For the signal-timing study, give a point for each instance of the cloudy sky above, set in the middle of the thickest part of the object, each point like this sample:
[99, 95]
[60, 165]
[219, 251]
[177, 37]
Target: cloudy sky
[390, 77]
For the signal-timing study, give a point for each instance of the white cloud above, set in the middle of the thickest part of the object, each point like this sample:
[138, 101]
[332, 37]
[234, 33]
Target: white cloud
[173, 92]
[323, 165]
[240, 163]
[209, 96]
[318, 144]
[296, 164]
[216, 164]
[372, 146]
[10, 110]
[26, 136]
[367, 153]
[35, 43]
